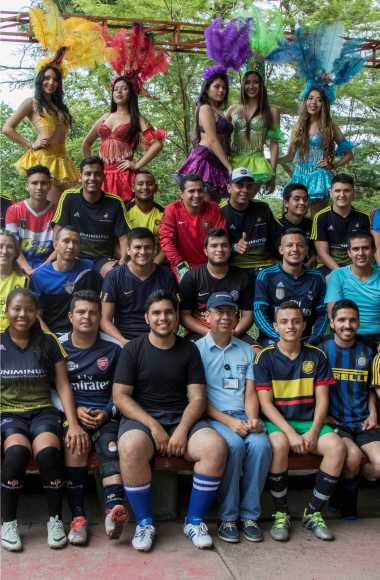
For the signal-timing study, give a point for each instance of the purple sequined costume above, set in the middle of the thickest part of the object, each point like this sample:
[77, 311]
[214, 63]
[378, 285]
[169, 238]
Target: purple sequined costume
[204, 163]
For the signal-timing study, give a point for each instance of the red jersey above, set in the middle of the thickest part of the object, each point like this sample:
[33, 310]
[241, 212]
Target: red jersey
[182, 234]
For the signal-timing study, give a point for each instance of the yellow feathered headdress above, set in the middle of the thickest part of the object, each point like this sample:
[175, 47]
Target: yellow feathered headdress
[72, 43]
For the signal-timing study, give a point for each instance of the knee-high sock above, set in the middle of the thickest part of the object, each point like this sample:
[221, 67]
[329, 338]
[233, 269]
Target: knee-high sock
[203, 495]
[15, 461]
[140, 500]
[278, 487]
[50, 464]
[323, 490]
[76, 481]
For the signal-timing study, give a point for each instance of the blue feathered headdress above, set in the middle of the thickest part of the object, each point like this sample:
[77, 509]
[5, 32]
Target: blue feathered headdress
[322, 57]
[227, 45]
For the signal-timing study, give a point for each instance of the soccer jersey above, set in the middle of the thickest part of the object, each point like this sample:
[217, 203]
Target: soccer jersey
[182, 235]
[55, 289]
[343, 284]
[375, 220]
[99, 223]
[376, 372]
[292, 382]
[197, 285]
[128, 293]
[351, 368]
[275, 286]
[328, 226]
[262, 231]
[7, 284]
[91, 371]
[33, 230]
[136, 218]
[160, 376]
[26, 373]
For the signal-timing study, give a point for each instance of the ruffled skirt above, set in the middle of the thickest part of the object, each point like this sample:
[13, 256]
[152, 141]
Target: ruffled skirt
[120, 182]
[214, 175]
[316, 179]
[260, 167]
[61, 168]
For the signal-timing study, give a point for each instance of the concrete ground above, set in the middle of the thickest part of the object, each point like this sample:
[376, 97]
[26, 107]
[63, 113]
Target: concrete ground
[353, 556]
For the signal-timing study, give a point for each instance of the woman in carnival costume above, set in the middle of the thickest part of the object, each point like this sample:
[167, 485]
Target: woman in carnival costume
[123, 129]
[229, 47]
[255, 122]
[72, 43]
[323, 59]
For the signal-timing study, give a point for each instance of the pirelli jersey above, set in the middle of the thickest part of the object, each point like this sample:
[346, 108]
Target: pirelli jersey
[262, 229]
[91, 370]
[26, 373]
[351, 368]
[292, 382]
[275, 286]
[99, 223]
[330, 227]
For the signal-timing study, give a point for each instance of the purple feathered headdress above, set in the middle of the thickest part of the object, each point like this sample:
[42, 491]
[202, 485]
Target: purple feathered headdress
[227, 45]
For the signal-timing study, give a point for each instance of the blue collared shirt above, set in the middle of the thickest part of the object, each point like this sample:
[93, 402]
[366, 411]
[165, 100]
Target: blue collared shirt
[235, 361]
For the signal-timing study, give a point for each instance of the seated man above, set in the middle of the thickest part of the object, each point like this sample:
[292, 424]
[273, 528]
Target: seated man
[55, 282]
[290, 281]
[160, 390]
[217, 275]
[352, 406]
[359, 282]
[234, 409]
[185, 225]
[252, 228]
[292, 380]
[30, 220]
[332, 225]
[375, 231]
[91, 361]
[143, 211]
[100, 217]
[125, 288]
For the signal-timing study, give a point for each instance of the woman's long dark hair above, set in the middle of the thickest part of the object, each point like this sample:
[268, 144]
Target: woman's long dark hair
[57, 103]
[204, 100]
[263, 106]
[133, 132]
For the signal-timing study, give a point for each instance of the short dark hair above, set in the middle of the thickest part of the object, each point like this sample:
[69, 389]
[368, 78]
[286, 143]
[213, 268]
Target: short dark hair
[216, 233]
[38, 169]
[69, 228]
[361, 234]
[189, 177]
[293, 231]
[288, 305]
[158, 296]
[342, 178]
[88, 296]
[91, 160]
[140, 234]
[340, 304]
[145, 172]
[288, 190]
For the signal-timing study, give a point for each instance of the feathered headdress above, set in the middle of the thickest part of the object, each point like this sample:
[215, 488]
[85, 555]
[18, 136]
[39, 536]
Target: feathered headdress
[71, 43]
[227, 46]
[135, 55]
[322, 58]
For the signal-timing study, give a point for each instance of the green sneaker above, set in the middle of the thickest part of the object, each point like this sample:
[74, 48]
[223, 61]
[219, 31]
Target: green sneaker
[317, 525]
[281, 527]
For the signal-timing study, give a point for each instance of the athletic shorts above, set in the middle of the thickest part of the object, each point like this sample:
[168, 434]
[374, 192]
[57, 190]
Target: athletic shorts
[360, 437]
[32, 423]
[300, 427]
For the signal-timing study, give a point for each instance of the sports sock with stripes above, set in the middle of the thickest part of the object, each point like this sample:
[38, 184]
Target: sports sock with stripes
[203, 494]
[140, 500]
[323, 490]
[278, 487]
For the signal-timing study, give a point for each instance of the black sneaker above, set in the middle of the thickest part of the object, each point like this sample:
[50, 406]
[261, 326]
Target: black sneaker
[252, 531]
[228, 532]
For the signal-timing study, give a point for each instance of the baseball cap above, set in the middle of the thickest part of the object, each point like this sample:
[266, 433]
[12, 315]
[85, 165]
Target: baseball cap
[217, 299]
[241, 173]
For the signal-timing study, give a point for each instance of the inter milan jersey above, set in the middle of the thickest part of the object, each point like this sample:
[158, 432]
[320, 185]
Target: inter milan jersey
[328, 226]
[99, 223]
[275, 286]
[197, 285]
[91, 371]
[293, 382]
[262, 230]
[351, 368]
[26, 372]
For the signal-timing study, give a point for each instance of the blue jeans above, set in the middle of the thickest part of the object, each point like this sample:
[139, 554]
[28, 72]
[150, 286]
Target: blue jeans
[246, 471]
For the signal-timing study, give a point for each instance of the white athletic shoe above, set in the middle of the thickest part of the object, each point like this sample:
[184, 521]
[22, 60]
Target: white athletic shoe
[198, 534]
[144, 537]
[56, 533]
[10, 538]
[114, 521]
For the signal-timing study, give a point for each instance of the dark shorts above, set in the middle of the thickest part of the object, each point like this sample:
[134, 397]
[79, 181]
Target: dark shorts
[360, 437]
[32, 423]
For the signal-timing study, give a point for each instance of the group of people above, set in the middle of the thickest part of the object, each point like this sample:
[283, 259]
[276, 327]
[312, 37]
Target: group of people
[95, 282]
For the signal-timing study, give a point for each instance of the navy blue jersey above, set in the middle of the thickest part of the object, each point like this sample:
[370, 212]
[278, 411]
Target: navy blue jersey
[275, 286]
[128, 293]
[349, 396]
[91, 371]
